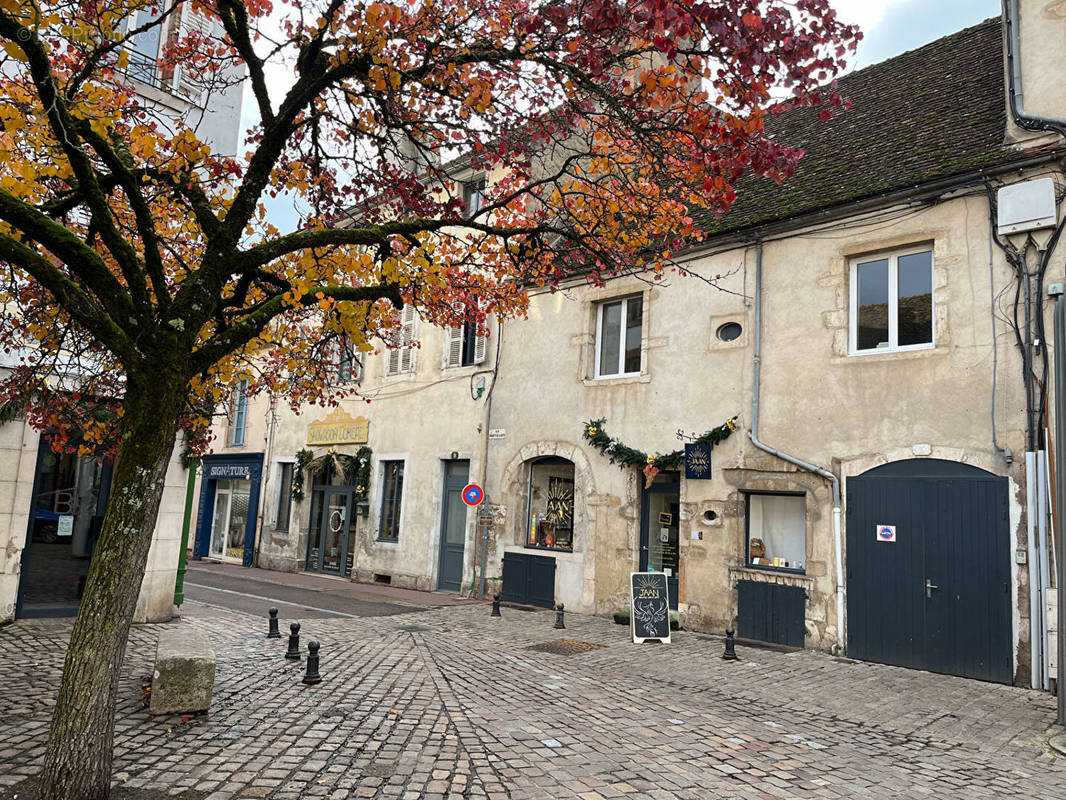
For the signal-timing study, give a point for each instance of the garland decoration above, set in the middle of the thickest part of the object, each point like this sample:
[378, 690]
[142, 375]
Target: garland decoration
[650, 465]
[355, 469]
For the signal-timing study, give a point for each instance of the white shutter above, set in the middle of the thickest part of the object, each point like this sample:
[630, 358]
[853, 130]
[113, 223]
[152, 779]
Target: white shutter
[393, 365]
[453, 346]
[402, 354]
[481, 346]
[186, 80]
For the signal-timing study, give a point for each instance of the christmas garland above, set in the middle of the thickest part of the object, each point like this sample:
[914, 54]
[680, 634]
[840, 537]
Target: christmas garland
[356, 470]
[651, 465]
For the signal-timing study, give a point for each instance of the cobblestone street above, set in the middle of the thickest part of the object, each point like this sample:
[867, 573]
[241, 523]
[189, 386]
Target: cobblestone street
[450, 703]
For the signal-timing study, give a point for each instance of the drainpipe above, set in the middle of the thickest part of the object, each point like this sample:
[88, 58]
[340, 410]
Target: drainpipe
[753, 434]
[483, 469]
[1011, 18]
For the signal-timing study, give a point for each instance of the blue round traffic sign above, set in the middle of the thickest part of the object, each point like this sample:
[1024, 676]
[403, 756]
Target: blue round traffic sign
[472, 494]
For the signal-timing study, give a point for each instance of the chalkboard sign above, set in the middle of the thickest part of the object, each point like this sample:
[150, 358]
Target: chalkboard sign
[650, 606]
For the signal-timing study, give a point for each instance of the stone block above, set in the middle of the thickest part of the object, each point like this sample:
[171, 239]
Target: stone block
[184, 674]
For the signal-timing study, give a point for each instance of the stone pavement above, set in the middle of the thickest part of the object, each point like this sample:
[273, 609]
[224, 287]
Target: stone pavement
[449, 703]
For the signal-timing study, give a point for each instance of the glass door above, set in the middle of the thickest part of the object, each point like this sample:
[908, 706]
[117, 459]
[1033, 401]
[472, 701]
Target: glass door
[230, 522]
[220, 524]
[333, 532]
[660, 530]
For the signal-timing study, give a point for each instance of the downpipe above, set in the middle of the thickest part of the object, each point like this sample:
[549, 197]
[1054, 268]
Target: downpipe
[753, 434]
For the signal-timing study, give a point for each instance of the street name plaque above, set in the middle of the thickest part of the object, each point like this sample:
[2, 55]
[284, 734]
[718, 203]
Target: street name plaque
[649, 607]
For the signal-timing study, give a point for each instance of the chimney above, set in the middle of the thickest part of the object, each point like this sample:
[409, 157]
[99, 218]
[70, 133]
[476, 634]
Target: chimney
[1035, 55]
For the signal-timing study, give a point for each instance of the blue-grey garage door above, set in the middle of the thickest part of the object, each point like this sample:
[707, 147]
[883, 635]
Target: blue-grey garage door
[928, 568]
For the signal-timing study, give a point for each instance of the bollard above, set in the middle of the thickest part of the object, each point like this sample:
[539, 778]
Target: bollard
[273, 633]
[294, 642]
[312, 677]
[496, 605]
[559, 617]
[730, 653]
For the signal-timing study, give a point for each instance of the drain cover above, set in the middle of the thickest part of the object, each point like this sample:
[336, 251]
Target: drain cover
[565, 647]
[414, 628]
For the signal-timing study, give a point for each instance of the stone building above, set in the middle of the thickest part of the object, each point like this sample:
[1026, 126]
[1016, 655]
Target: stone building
[51, 506]
[858, 322]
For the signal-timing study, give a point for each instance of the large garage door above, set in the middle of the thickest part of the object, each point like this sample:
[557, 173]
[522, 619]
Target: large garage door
[928, 568]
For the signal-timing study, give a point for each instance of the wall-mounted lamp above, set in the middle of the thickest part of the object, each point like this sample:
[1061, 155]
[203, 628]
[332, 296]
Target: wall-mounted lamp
[455, 455]
[362, 508]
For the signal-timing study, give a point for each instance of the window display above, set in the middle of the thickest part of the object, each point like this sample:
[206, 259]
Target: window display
[551, 504]
[777, 531]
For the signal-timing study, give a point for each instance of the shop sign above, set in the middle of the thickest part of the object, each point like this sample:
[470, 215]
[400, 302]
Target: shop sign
[239, 471]
[339, 428]
[697, 461]
[66, 525]
[649, 612]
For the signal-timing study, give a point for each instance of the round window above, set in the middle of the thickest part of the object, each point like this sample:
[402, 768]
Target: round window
[729, 331]
[710, 516]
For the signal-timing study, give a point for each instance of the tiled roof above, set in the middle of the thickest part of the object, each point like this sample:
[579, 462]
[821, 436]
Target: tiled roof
[926, 115]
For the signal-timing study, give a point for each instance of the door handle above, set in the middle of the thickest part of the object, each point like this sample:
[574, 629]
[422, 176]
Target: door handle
[929, 587]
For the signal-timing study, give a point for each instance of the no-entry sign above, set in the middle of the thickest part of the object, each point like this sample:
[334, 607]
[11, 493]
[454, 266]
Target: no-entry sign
[473, 494]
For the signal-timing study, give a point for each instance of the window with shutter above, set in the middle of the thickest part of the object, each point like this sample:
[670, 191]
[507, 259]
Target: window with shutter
[186, 81]
[401, 357]
[453, 345]
[238, 413]
[463, 347]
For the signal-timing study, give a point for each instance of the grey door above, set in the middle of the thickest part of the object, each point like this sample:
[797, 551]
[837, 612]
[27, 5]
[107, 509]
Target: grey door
[938, 597]
[452, 526]
[333, 531]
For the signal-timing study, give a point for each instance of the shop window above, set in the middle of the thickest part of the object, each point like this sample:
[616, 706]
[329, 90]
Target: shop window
[391, 499]
[401, 354]
[618, 337]
[281, 523]
[551, 504]
[238, 413]
[777, 530]
[892, 302]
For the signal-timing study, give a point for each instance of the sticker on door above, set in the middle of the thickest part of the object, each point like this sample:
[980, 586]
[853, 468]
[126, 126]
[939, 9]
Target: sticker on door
[886, 533]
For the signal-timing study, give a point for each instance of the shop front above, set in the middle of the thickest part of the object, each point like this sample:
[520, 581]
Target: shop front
[229, 503]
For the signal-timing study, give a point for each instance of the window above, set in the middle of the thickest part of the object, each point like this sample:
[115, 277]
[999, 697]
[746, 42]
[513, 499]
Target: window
[462, 346]
[551, 504]
[238, 413]
[401, 355]
[391, 495]
[349, 362]
[892, 302]
[142, 49]
[777, 530]
[618, 332]
[473, 197]
[281, 522]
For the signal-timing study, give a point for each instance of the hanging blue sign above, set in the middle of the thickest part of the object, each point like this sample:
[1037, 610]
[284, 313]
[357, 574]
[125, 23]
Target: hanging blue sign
[697, 461]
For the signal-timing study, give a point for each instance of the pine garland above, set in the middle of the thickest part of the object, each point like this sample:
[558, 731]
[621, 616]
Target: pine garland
[625, 456]
[356, 470]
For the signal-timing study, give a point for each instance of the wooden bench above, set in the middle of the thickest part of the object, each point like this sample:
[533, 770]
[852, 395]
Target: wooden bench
[184, 676]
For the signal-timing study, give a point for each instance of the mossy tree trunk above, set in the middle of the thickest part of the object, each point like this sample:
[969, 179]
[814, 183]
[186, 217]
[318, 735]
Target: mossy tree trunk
[77, 764]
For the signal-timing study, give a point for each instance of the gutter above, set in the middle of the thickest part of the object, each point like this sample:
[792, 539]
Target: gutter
[1030, 122]
[753, 434]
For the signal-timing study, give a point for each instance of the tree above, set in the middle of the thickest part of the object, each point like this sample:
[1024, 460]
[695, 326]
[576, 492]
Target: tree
[144, 281]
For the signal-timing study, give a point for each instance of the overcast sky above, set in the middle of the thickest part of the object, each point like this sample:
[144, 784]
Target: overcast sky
[890, 27]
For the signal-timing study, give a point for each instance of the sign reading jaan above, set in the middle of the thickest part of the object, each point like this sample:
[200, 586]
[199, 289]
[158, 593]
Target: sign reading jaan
[339, 428]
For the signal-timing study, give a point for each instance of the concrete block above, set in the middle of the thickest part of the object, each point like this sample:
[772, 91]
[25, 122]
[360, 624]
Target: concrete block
[184, 674]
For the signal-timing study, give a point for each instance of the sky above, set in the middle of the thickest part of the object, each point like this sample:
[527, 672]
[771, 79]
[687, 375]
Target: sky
[889, 27]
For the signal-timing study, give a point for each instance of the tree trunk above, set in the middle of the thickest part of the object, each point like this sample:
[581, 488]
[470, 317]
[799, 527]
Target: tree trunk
[77, 763]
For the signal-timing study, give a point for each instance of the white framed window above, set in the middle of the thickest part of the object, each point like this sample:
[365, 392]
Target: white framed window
[238, 413]
[473, 197]
[391, 483]
[777, 530]
[619, 325]
[401, 355]
[892, 301]
[284, 498]
[349, 362]
[463, 347]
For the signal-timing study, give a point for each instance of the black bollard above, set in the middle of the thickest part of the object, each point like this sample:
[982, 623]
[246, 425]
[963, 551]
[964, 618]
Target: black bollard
[273, 633]
[311, 677]
[730, 653]
[496, 605]
[294, 642]
[559, 617]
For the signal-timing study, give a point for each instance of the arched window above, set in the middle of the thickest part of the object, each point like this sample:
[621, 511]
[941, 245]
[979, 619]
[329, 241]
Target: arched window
[550, 517]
